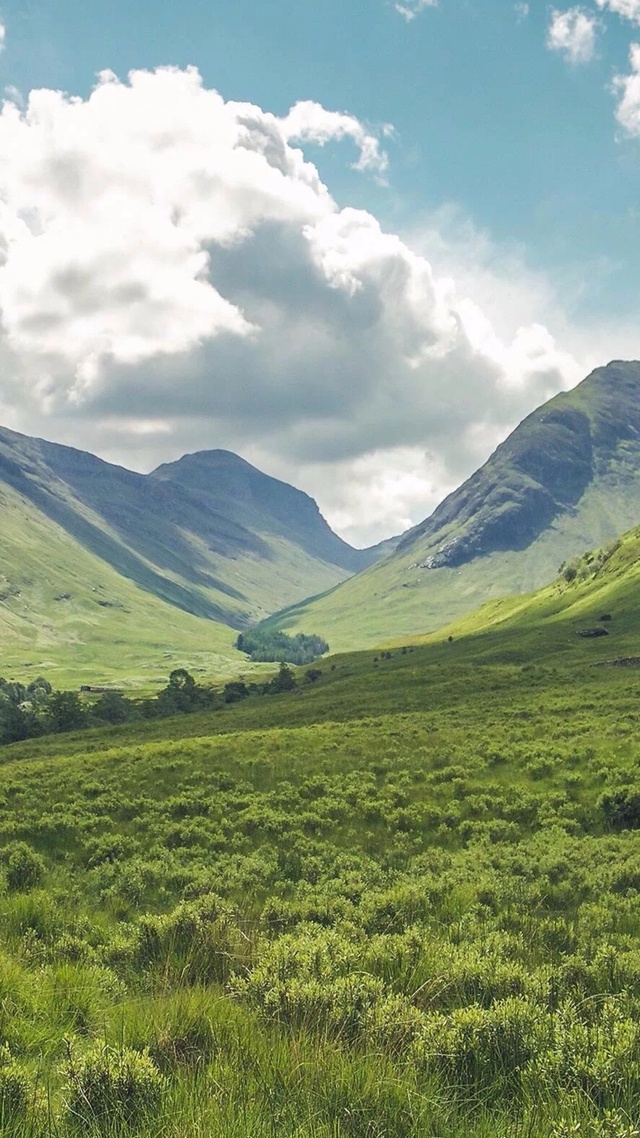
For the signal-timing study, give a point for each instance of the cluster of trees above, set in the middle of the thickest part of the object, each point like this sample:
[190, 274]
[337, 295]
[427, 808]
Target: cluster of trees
[36, 709]
[272, 646]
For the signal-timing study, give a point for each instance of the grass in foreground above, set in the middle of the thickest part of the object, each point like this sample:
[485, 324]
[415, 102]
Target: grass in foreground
[399, 902]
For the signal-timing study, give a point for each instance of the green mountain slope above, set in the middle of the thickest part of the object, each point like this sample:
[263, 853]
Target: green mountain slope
[209, 536]
[107, 573]
[599, 591]
[566, 480]
[68, 614]
[401, 900]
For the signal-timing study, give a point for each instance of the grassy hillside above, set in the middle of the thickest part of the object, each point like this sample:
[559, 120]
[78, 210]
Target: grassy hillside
[567, 479]
[399, 902]
[66, 613]
[106, 574]
[230, 545]
[601, 583]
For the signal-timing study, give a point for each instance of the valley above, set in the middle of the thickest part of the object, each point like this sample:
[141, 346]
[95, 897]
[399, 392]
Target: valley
[108, 575]
[319, 569]
[567, 480]
[399, 900]
[388, 894]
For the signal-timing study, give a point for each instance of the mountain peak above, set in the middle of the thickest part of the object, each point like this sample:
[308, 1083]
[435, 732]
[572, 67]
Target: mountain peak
[214, 458]
[539, 472]
[238, 490]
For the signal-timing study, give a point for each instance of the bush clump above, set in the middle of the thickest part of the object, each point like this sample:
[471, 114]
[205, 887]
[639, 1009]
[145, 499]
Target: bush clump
[621, 808]
[25, 868]
[111, 1085]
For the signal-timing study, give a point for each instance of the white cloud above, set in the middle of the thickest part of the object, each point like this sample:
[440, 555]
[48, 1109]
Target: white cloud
[310, 122]
[3, 36]
[628, 88]
[628, 9]
[573, 33]
[412, 8]
[175, 275]
[380, 494]
[522, 11]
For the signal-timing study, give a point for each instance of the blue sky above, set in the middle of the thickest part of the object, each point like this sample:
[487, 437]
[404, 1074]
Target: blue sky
[507, 170]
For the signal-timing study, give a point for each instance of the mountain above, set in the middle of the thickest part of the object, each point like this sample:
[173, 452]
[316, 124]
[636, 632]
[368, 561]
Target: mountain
[229, 486]
[567, 479]
[208, 537]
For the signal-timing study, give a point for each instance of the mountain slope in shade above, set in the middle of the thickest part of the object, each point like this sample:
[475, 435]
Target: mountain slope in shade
[209, 535]
[566, 480]
[231, 487]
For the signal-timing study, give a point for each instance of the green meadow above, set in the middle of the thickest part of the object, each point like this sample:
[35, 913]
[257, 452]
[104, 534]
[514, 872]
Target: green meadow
[401, 901]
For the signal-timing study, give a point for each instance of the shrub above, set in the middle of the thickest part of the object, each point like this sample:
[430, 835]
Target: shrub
[198, 943]
[622, 809]
[597, 1059]
[14, 1090]
[479, 1048]
[112, 1086]
[25, 868]
[234, 691]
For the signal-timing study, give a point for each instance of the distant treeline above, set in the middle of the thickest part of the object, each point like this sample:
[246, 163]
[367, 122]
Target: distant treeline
[29, 710]
[272, 646]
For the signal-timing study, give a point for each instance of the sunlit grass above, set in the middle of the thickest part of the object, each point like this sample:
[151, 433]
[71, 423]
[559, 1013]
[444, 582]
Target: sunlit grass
[398, 902]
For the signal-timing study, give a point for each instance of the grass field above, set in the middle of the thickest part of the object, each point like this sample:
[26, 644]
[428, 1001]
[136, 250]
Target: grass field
[401, 901]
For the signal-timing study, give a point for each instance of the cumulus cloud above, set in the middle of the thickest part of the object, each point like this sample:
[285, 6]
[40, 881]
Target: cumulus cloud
[573, 33]
[174, 274]
[628, 89]
[412, 8]
[628, 9]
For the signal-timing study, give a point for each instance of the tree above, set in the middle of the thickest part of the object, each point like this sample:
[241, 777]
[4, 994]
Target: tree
[66, 711]
[14, 722]
[272, 645]
[234, 691]
[38, 692]
[180, 694]
[183, 695]
[284, 681]
[112, 707]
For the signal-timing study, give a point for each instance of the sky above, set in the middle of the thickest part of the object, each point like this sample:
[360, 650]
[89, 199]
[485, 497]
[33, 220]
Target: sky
[354, 242]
